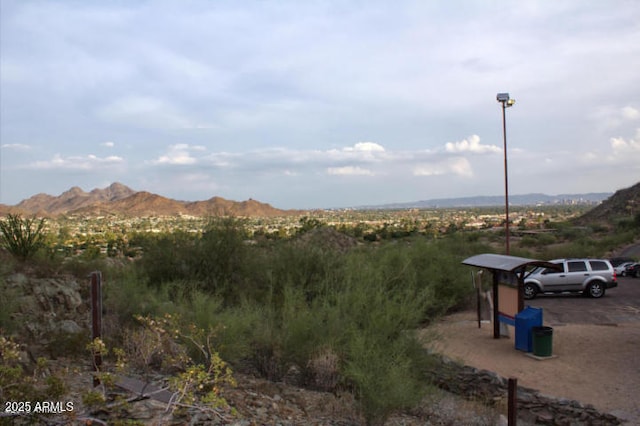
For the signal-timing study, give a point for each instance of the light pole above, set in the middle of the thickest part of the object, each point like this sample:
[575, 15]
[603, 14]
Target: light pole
[506, 102]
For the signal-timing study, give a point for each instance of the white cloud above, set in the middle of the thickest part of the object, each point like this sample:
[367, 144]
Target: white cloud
[366, 146]
[472, 144]
[108, 144]
[16, 146]
[349, 171]
[610, 117]
[179, 154]
[621, 146]
[458, 166]
[74, 162]
[630, 113]
[361, 151]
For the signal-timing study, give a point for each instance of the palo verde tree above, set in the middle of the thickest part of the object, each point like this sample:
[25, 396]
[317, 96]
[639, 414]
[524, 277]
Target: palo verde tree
[22, 237]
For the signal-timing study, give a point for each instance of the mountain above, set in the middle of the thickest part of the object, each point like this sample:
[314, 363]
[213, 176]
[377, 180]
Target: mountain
[623, 203]
[498, 200]
[73, 199]
[118, 199]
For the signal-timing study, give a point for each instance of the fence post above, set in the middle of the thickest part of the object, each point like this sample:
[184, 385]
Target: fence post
[513, 402]
[96, 320]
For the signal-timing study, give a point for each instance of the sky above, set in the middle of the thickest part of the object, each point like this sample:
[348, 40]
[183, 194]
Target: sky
[318, 103]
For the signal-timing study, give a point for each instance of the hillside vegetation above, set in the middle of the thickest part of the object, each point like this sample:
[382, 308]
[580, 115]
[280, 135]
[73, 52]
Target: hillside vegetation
[322, 310]
[623, 204]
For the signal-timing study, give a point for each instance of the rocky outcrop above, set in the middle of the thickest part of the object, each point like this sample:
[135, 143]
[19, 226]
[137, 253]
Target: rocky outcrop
[45, 309]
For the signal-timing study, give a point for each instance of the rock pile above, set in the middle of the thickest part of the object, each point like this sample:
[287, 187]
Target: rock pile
[45, 309]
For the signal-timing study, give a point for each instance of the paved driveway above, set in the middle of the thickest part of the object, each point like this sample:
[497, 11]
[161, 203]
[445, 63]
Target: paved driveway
[618, 305]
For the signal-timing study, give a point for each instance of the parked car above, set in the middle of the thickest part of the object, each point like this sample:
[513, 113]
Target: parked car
[615, 261]
[632, 270]
[621, 268]
[591, 277]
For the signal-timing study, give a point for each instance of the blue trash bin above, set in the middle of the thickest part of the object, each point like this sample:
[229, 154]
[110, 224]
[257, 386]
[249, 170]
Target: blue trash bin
[526, 319]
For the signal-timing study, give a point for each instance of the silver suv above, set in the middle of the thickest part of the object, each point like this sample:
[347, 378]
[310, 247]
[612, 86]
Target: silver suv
[590, 277]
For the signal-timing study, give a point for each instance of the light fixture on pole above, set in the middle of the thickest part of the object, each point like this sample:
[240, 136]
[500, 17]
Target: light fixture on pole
[506, 102]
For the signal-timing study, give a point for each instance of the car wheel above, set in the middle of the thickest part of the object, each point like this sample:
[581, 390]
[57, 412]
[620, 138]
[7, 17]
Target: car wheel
[530, 291]
[638, 273]
[595, 290]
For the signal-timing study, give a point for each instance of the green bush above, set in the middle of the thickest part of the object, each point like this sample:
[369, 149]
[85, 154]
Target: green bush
[166, 257]
[384, 375]
[340, 319]
[22, 237]
[219, 257]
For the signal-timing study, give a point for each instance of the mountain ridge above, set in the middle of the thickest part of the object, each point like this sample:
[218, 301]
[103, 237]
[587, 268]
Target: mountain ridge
[118, 199]
[530, 199]
[624, 202]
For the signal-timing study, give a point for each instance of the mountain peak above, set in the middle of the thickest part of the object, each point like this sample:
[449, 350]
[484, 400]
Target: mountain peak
[119, 199]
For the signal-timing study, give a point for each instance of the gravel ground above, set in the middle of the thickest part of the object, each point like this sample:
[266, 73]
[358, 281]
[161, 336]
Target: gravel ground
[593, 364]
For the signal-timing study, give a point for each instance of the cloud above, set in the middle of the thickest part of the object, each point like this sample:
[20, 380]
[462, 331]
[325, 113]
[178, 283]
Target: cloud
[630, 113]
[89, 162]
[366, 146]
[349, 171]
[108, 144]
[621, 146]
[473, 145]
[457, 166]
[610, 117]
[16, 146]
[180, 154]
[360, 159]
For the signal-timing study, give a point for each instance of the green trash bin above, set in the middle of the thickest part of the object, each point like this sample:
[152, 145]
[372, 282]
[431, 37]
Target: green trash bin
[542, 340]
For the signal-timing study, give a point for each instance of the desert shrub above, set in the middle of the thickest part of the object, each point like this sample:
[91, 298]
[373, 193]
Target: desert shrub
[219, 256]
[17, 384]
[433, 264]
[236, 331]
[22, 237]
[384, 375]
[538, 240]
[305, 267]
[166, 257]
[126, 294]
[338, 318]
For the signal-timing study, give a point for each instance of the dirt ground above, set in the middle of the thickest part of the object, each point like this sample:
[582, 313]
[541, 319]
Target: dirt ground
[593, 364]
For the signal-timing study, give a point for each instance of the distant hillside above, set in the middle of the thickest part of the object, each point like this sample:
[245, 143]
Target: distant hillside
[623, 203]
[73, 199]
[498, 200]
[119, 199]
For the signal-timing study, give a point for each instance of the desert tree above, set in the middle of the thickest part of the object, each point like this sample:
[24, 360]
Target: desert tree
[22, 237]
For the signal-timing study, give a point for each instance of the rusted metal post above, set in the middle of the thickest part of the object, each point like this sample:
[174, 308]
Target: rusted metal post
[96, 319]
[512, 414]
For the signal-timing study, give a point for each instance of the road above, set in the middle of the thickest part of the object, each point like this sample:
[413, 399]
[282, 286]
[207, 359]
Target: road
[619, 305]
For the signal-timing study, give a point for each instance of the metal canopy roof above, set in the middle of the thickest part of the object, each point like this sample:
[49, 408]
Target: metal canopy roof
[504, 263]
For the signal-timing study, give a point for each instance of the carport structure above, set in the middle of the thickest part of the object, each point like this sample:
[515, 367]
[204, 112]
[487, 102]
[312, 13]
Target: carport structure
[508, 274]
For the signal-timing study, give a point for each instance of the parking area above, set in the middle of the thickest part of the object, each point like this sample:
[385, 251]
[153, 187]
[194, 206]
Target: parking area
[595, 344]
[619, 305]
